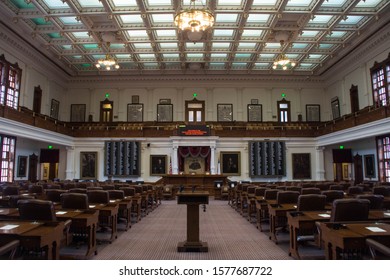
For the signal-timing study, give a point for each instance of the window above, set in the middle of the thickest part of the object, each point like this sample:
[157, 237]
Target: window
[284, 110]
[7, 158]
[383, 144]
[10, 75]
[380, 77]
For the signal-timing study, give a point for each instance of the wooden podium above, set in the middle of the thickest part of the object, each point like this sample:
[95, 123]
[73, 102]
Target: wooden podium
[193, 200]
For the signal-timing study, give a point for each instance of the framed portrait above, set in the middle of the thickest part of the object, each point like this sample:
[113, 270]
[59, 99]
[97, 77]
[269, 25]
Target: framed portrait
[77, 112]
[230, 163]
[369, 166]
[313, 113]
[164, 112]
[135, 112]
[135, 99]
[55, 107]
[301, 166]
[335, 104]
[225, 112]
[88, 165]
[255, 113]
[158, 165]
[165, 101]
[22, 166]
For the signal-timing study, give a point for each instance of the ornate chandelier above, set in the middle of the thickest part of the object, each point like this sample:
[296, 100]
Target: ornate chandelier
[283, 62]
[108, 63]
[194, 19]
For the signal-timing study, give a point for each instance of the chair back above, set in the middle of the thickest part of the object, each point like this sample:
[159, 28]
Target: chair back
[35, 189]
[376, 200]
[116, 194]
[54, 195]
[294, 188]
[36, 210]
[98, 196]
[13, 199]
[129, 191]
[74, 201]
[383, 190]
[351, 209]
[10, 190]
[311, 191]
[331, 195]
[287, 197]
[336, 187]
[271, 194]
[259, 191]
[355, 190]
[311, 202]
[78, 190]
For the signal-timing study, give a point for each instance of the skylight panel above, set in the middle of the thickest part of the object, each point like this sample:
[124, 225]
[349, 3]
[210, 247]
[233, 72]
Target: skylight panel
[267, 55]
[41, 21]
[219, 55]
[131, 18]
[242, 56]
[309, 33]
[77, 56]
[322, 19]
[221, 45]
[223, 32]
[333, 3]
[250, 46]
[56, 4]
[292, 55]
[368, 3]
[170, 55]
[150, 65]
[90, 46]
[21, 4]
[124, 3]
[166, 33]
[298, 3]
[66, 47]
[159, 2]
[195, 55]
[123, 56]
[227, 18]
[299, 46]
[168, 45]
[80, 35]
[90, 3]
[325, 46]
[162, 18]
[194, 46]
[257, 18]
[69, 20]
[251, 33]
[336, 34]
[351, 20]
[239, 65]
[147, 56]
[229, 2]
[264, 2]
[315, 56]
[217, 65]
[261, 65]
[142, 45]
[116, 46]
[137, 33]
[54, 35]
[272, 45]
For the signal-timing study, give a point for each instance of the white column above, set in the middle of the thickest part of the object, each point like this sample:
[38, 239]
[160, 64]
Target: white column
[212, 160]
[175, 168]
[320, 165]
[150, 105]
[70, 172]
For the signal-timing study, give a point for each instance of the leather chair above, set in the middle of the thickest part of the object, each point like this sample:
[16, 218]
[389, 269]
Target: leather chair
[8, 249]
[10, 190]
[354, 190]
[13, 200]
[336, 187]
[376, 200]
[284, 197]
[260, 191]
[35, 190]
[129, 191]
[78, 190]
[311, 191]
[98, 196]
[311, 202]
[54, 195]
[383, 190]
[36, 210]
[271, 194]
[74, 201]
[116, 194]
[331, 195]
[378, 251]
[351, 209]
[294, 189]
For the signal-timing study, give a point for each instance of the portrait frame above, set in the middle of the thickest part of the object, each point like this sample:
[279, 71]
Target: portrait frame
[157, 169]
[88, 165]
[369, 166]
[135, 112]
[164, 112]
[235, 159]
[335, 104]
[54, 109]
[77, 112]
[255, 112]
[165, 101]
[22, 166]
[313, 113]
[135, 99]
[224, 112]
[301, 166]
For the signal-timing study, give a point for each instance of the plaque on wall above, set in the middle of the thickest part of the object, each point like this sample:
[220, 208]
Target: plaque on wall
[267, 159]
[122, 158]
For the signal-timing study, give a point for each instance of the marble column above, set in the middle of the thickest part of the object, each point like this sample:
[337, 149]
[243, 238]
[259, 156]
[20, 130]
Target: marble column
[320, 165]
[70, 160]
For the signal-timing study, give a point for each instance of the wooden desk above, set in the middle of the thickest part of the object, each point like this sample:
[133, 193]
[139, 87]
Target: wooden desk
[193, 200]
[277, 211]
[125, 211]
[33, 235]
[351, 236]
[206, 181]
[136, 207]
[8, 213]
[108, 216]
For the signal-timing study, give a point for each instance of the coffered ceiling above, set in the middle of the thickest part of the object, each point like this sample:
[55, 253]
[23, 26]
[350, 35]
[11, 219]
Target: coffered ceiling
[245, 38]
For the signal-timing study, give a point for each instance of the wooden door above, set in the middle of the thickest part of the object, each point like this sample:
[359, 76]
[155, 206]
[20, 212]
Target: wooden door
[37, 100]
[358, 168]
[32, 168]
[353, 92]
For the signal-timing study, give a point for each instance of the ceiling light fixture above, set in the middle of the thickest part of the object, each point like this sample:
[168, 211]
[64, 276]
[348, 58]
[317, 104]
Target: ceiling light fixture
[283, 62]
[108, 62]
[194, 19]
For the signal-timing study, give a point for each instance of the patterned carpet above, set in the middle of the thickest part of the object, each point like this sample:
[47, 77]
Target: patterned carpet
[229, 237]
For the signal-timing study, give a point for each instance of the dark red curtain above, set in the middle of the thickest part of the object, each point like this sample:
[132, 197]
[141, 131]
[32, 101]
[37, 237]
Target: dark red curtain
[194, 151]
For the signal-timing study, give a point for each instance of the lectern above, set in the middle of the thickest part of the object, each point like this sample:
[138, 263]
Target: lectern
[193, 200]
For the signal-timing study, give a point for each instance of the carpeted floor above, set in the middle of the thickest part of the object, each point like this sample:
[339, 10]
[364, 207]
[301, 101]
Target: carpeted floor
[229, 237]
